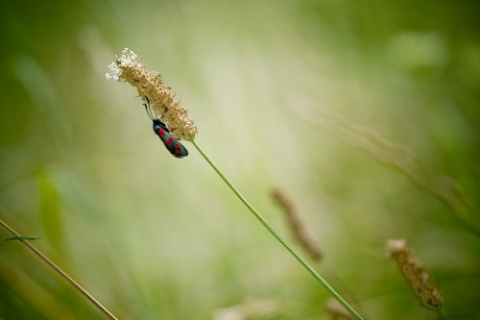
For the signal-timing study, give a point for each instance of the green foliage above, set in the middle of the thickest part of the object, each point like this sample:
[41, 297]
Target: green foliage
[152, 237]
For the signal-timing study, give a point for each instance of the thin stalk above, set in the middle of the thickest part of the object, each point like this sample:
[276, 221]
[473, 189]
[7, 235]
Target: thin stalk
[287, 246]
[443, 313]
[59, 271]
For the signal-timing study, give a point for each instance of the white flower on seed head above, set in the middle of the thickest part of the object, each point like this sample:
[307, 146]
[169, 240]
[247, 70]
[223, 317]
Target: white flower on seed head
[128, 59]
[114, 72]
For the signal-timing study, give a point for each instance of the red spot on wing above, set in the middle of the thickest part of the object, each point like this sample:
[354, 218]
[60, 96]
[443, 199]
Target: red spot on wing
[161, 132]
[177, 148]
[169, 141]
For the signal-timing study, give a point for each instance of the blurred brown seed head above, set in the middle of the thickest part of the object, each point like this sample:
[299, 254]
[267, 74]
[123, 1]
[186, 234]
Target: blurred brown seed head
[422, 284]
[303, 236]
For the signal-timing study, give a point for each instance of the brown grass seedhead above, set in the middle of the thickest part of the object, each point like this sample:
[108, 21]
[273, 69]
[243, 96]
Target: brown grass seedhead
[129, 68]
[303, 236]
[422, 284]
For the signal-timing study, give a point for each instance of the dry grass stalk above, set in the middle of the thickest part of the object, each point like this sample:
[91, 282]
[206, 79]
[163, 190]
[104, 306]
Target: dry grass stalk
[404, 159]
[420, 281]
[51, 264]
[303, 236]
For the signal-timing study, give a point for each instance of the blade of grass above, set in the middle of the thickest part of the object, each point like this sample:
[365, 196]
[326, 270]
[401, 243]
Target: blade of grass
[58, 270]
[287, 246]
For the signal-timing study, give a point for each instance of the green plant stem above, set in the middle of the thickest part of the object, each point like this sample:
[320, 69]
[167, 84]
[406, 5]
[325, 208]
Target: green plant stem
[443, 313]
[287, 246]
[59, 271]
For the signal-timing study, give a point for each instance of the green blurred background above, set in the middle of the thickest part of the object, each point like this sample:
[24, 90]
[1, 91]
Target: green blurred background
[153, 237]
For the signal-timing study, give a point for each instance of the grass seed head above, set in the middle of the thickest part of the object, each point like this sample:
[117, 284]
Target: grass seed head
[129, 68]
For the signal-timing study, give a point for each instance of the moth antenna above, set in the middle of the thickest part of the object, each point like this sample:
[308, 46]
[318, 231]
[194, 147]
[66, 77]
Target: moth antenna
[147, 107]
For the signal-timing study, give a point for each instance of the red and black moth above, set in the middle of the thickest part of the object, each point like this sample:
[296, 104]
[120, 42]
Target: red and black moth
[173, 145]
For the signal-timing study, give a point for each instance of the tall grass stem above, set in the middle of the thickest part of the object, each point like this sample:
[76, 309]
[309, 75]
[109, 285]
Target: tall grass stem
[287, 246]
[60, 271]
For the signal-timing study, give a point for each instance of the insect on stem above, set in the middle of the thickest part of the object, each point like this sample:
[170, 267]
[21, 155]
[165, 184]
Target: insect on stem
[173, 145]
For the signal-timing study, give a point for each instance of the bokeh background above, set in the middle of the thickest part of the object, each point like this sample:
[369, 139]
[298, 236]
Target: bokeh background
[366, 113]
